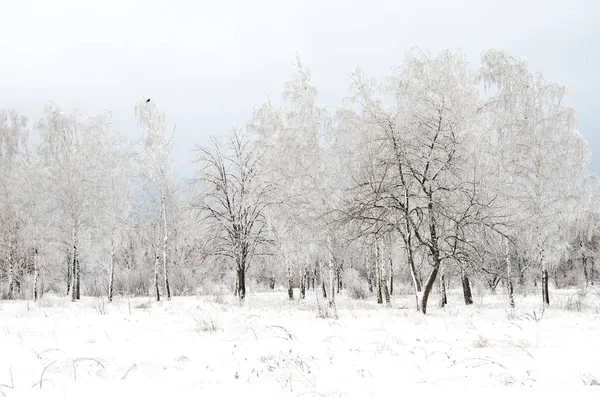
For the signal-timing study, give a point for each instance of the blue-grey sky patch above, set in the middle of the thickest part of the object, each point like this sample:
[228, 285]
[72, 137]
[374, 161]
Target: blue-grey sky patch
[207, 63]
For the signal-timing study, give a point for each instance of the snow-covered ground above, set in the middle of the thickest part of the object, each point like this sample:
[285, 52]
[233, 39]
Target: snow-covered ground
[210, 346]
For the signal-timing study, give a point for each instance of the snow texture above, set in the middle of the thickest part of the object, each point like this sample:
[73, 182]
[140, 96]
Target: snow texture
[212, 346]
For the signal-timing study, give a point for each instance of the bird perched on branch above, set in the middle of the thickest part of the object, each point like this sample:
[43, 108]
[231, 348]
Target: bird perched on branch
[147, 100]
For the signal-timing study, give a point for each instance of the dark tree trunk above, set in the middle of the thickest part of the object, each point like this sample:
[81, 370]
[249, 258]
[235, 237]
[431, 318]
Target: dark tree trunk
[74, 272]
[36, 273]
[290, 283]
[391, 278]
[443, 297]
[545, 296]
[466, 287]
[378, 283]
[386, 292]
[157, 261]
[521, 273]
[586, 275]
[241, 283]
[69, 276]
[322, 280]
[78, 289]
[428, 288]
[307, 278]
[111, 279]
[378, 266]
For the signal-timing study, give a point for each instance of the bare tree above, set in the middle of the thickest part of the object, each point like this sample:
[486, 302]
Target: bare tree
[232, 201]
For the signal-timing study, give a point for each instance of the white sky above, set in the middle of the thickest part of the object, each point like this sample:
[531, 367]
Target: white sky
[207, 63]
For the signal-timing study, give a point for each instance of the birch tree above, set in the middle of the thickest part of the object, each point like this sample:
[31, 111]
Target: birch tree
[301, 168]
[13, 136]
[115, 174]
[67, 147]
[548, 156]
[158, 144]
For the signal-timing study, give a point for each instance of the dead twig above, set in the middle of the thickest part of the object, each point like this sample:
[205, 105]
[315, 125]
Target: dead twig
[42, 375]
[129, 370]
[79, 360]
[289, 335]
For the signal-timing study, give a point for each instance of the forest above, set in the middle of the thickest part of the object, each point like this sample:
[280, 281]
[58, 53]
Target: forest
[441, 177]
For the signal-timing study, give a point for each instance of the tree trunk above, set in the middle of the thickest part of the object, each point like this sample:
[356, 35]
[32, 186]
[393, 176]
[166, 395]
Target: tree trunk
[73, 266]
[369, 274]
[466, 286]
[111, 270]
[241, 281]
[164, 219]
[443, 298]
[378, 276]
[157, 263]
[545, 296]
[584, 263]
[11, 270]
[290, 282]
[338, 279]
[78, 288]
[521, 273]
[383, 273]
[509, 285]
[391, 277]
[307, 277]
[303, 280]
[428, 288]
[68, 273]
[331, 283]
[415, 280]
[36, 273]
[322, 280]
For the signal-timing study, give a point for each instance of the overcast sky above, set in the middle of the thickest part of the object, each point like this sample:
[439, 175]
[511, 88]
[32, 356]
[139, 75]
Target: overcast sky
[207, 63]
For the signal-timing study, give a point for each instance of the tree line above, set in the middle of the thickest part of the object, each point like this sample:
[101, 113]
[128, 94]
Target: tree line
[442, 172]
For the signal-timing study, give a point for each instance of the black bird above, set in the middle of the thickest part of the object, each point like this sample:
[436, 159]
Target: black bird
[147, 100]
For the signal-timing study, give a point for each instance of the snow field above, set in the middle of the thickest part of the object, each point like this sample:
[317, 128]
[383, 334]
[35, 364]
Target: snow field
[211, 346]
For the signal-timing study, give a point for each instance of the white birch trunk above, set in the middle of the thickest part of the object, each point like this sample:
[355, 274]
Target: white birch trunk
[36, 270]
[157, 262]
[509, 282]
[73, 291]
[164, 220]
[11, 270]
[331, 275]
[112, 270]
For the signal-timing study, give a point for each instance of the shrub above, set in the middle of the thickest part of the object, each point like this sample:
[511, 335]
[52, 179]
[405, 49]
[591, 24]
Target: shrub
[355, 284]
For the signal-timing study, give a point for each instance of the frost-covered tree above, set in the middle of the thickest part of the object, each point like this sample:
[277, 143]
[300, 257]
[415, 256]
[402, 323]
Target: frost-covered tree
[232, 200]
[546, 155]
[301, 164]
[69, 156]
[13, 137]
[158, 144]
[114, 178]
